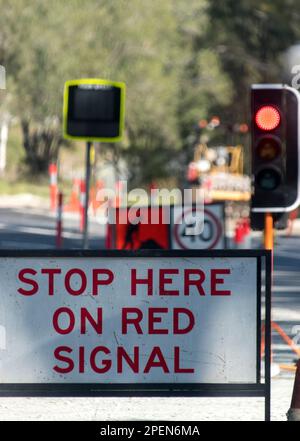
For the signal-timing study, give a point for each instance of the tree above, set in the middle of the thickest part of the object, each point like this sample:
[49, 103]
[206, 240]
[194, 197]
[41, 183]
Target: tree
[250, 37]
[159, 49]
[172, 80]
[28, 53]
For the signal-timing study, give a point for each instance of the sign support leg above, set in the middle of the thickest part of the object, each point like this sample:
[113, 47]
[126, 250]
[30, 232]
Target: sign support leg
[85, 241]
[269, 245]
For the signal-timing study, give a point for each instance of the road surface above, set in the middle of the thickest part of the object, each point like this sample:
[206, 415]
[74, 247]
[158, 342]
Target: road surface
[286, 297]
[35, 228]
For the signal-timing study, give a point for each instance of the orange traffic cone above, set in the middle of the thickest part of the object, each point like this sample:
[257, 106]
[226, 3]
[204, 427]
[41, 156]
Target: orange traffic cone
[294, 411]
[74, 203]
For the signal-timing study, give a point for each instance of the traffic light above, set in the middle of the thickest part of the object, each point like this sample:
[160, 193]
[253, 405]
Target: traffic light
[275, 147]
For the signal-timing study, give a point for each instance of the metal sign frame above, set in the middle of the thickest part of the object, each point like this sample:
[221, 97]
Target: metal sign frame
[257, 389]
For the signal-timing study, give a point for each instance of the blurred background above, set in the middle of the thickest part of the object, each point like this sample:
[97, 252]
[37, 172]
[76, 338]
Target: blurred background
[188, 67]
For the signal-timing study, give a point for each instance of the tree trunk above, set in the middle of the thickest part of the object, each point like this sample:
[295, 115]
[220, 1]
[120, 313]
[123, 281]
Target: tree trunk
[41, 147]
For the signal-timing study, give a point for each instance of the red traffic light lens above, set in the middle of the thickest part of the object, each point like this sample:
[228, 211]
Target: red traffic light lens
[267, 118]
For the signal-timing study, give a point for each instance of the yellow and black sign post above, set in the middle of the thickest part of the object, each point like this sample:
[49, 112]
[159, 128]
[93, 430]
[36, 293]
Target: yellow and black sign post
[93, 110]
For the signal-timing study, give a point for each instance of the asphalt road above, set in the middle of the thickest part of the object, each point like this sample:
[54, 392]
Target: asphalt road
[286, 297]
[33, 229]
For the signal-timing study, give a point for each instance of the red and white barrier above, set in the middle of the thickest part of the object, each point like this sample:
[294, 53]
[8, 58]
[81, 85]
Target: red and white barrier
[53, 186]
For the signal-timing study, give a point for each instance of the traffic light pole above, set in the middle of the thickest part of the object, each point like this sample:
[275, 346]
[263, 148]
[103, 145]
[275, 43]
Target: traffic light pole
[269, 232]
[85, 240]
[268, 245]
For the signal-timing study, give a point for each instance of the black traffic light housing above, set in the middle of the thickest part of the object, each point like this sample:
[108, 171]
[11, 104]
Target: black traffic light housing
[275, 148]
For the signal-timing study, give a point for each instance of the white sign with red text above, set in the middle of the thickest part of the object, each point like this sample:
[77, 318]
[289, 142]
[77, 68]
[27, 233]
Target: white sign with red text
[128, 320]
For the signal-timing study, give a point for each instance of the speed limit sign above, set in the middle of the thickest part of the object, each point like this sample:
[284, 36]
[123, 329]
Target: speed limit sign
[210, 236]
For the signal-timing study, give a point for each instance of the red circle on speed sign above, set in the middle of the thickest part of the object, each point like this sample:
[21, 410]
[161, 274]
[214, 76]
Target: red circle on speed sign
[209, 218]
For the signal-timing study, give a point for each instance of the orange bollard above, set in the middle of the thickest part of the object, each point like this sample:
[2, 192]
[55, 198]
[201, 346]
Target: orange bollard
[74, 203]
[294, 411]
[53, 186]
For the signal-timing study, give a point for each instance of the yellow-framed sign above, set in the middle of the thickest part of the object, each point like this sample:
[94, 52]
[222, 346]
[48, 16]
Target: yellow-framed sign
[94, 110]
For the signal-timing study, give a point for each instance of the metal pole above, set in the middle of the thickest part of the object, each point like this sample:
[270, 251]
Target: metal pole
[269, 232]
[59, 221]
[85, 242]
[269, 245]
[268, 354]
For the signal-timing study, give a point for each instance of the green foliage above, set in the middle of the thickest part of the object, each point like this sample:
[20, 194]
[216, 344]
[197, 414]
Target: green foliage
[181, 61]
[249, 37]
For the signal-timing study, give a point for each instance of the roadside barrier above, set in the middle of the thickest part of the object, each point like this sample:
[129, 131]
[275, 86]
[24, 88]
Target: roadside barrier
[74, 204]
[53, 186]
